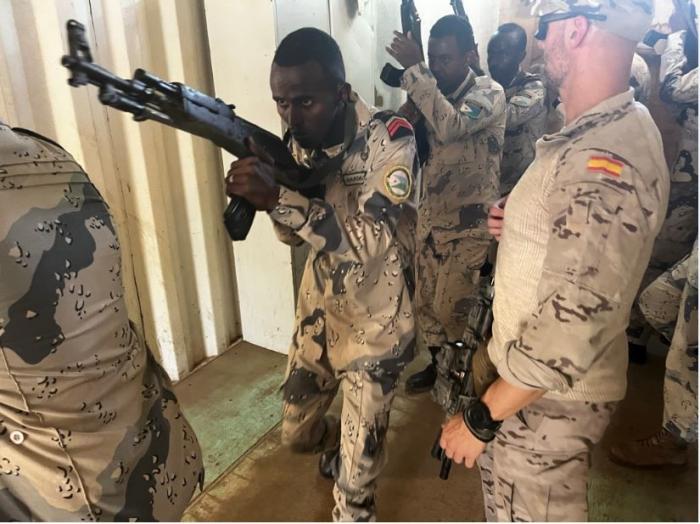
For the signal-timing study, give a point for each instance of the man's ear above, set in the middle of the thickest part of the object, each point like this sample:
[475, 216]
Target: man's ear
[577, 30]
[473, 57]
[344, 91]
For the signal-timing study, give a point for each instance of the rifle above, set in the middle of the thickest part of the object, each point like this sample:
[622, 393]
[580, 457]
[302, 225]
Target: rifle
[458, 8]
[410, 21]
[455, 386]
[391, 76]
[177, 105]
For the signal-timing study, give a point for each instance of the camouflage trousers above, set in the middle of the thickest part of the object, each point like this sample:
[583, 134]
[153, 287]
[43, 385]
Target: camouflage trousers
[447, 281]
[537, 467]
[670, 305]
[309, 390]
[681, 380]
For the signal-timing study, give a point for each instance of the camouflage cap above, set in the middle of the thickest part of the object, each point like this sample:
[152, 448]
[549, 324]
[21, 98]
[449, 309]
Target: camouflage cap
[629, 19]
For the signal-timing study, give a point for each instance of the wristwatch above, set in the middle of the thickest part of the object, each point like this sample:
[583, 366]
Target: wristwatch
[477, 418]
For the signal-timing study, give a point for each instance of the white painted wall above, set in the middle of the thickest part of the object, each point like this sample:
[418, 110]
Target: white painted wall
[483, 15]
[242, 42]
[164, 188]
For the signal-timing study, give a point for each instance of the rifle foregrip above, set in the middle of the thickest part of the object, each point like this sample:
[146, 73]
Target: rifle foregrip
[438, 453]
[445, 468]
[238, 218]
[391, 75]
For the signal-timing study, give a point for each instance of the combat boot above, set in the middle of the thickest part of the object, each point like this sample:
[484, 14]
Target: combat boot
[328, 461]
[424, 380]
[663, 449]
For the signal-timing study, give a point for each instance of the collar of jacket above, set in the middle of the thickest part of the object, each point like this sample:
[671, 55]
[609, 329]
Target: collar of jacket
[463, 88]
[356, 120]
[619, 103]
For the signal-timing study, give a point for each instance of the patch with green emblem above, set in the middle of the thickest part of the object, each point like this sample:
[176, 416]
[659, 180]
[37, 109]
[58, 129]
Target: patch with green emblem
[472, 112]
[520, 101]
[398, 182]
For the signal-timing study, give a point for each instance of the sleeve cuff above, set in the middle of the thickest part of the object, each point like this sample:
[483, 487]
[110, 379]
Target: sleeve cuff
[413, 76]
[520, 370]
[291, 209]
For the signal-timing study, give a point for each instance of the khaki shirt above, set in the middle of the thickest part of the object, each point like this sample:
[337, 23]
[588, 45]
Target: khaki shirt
[465, 132]
[578, 233]
[526, 119]
[90, 428]
[361, 238]
[680, 89]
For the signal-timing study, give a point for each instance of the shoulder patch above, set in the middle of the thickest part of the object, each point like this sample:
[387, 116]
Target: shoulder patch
[398, 182]
[397, 126]
[520, 101]
[472, 112]
[605, 165]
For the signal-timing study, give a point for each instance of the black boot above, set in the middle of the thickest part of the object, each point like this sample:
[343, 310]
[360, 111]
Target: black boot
[424, 380]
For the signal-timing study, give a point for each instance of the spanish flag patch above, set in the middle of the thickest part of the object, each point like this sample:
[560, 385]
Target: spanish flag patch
[605, 165]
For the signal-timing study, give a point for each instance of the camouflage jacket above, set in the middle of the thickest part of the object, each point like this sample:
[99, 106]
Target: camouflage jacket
[526, 118]
[361, 236]
[90, 428]
[680, 88]
[462, 174]
[640, 79]
[578, 233]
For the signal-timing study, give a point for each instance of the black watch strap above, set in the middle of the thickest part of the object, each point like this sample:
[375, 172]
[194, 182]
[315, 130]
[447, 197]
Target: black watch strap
[477, 418]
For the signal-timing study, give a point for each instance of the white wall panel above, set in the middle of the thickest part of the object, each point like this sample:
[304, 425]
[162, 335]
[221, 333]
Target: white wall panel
[241, 60]
[164, 188]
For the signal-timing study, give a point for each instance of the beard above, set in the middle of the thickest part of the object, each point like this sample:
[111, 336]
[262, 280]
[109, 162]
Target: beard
[556, 64]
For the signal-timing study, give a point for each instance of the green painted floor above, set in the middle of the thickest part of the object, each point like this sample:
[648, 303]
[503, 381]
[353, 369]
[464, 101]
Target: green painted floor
[235, 410]
[231, 402]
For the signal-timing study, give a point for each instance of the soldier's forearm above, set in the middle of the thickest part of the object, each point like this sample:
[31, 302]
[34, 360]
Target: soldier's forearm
[447, 121]
[505, 400]
[517, 115]
[679, 88]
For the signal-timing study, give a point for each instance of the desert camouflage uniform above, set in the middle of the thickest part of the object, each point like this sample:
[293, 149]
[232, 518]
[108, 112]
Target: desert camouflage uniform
[680, 227]
[460, 181]
[526, 118]
[640, 79]
[578, 234]
[538, 469]
[670, 304]
[90, 428]
[354, 320]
